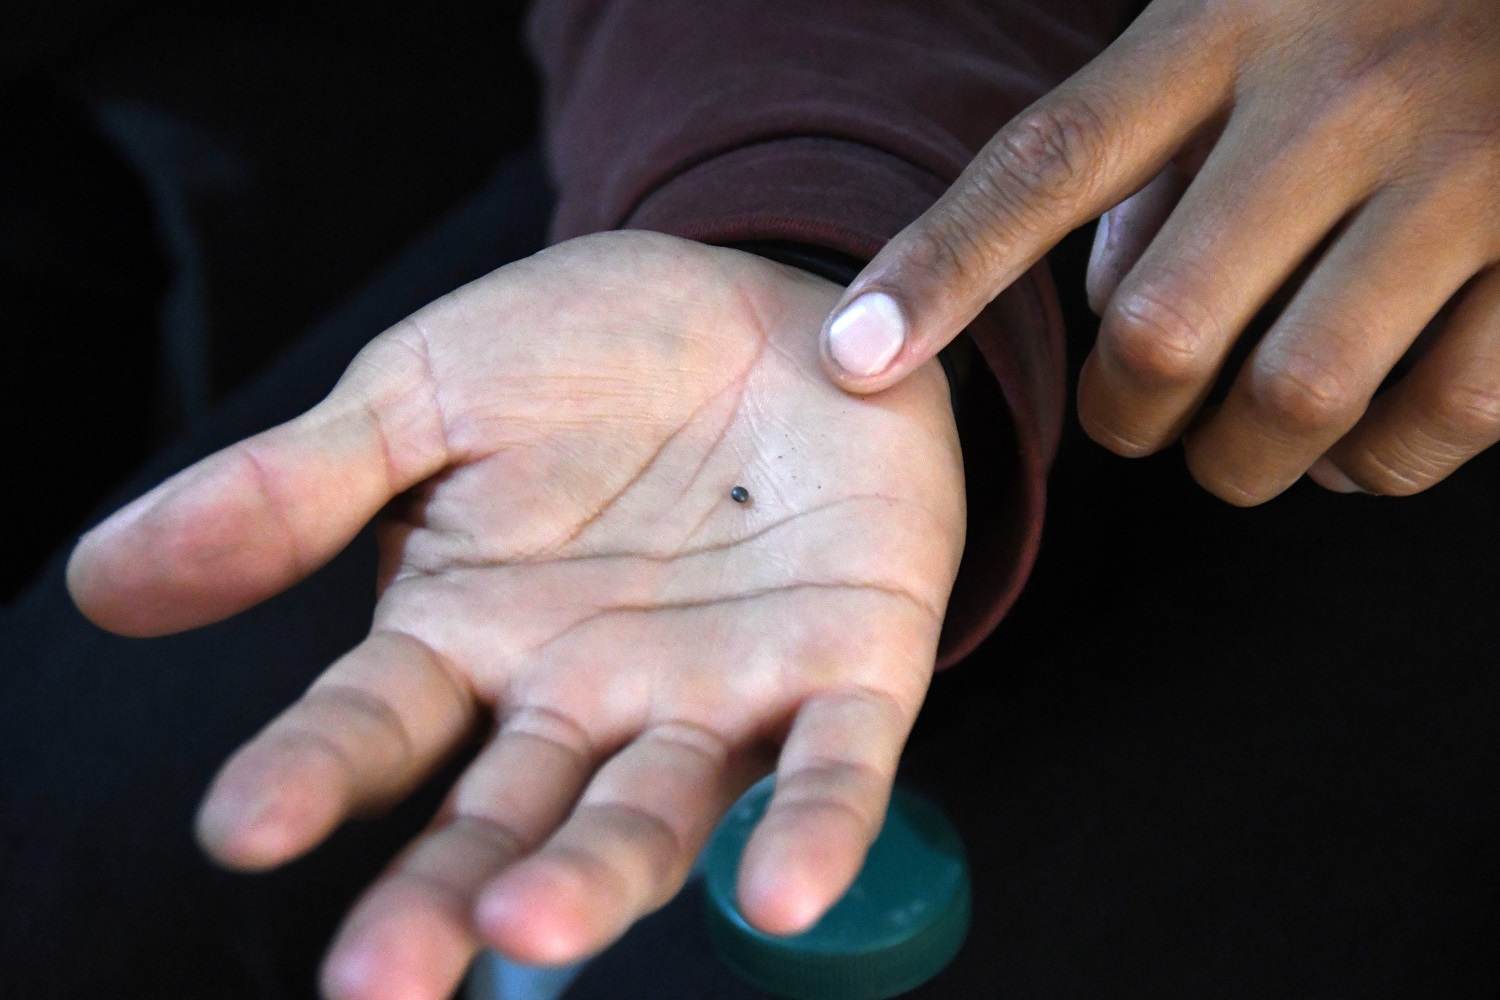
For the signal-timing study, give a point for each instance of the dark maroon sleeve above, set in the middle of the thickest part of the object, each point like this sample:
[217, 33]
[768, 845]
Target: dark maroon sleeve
[832, 123]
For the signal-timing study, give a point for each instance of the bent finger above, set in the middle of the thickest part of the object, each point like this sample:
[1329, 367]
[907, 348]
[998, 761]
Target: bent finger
[1443, 413]
[366, 733]
[1231, 243]
[251, 520]
[1312, 376]
[1083, 148]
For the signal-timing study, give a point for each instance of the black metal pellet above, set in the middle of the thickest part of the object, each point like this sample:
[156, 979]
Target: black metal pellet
[739, 495]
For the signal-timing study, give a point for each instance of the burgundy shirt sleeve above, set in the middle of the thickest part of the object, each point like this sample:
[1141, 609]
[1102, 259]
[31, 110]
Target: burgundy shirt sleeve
[832, 123]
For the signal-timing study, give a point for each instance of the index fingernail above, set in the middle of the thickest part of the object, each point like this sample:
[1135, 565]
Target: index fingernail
[867, 335]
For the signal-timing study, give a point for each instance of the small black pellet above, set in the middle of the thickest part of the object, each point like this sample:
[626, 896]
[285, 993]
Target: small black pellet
[739, 495]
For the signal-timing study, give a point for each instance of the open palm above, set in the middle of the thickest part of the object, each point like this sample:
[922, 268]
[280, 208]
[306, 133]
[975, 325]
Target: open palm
[554, 448]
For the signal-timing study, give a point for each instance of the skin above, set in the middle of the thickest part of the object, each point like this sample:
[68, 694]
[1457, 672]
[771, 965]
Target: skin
[1340, 155]
[550, 452]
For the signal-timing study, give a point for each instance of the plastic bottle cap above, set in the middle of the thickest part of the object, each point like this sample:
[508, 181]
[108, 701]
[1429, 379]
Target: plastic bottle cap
[899, 924]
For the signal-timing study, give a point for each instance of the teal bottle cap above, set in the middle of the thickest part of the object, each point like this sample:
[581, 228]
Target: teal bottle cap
[899, 924]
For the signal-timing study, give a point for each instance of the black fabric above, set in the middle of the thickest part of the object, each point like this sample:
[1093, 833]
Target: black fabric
[186, 187]
[79, 264]
[839, 268]
[1212, 753]
[106, 744]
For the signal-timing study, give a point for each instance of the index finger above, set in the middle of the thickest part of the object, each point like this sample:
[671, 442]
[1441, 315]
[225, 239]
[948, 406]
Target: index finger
[1075, 153]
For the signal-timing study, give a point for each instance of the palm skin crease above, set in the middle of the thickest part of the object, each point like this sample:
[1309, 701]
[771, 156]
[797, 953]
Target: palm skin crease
[551, 449]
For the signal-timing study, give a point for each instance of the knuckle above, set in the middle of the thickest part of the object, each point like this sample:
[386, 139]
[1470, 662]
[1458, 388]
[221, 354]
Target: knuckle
[609, 875]
[1387, 63]
[1298, 393]
[1360, 92]
[832, 778]
[1465, 150]
[957, 250]
[1055, 151]
[1446, 190]
[1390, 475]
[691, 739]
[1157, 339]
[1036, 172]
[835, 786]
[1470, 412]
[1361, 64]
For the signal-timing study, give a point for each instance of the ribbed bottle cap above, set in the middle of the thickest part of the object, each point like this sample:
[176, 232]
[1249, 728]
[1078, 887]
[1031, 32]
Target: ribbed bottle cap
[899, 924]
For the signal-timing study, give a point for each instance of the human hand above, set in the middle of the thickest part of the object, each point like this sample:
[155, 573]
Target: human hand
[554, 446]
[1360, 138]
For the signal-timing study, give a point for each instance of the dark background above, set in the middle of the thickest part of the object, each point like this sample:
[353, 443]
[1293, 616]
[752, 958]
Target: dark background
[186, 187]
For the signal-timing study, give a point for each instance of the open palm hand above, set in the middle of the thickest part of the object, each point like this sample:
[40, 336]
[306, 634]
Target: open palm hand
[553, 448]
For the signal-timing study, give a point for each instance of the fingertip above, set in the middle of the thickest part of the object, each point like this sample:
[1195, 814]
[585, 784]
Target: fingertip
[215, 829]
[1103, 431]
[534, 917]
[100, 581]
[378, 965]
[258, 815]
[164, 562]
[778, 903]
[243, 838]
[399, 943]
[789, 880]
[81, 580]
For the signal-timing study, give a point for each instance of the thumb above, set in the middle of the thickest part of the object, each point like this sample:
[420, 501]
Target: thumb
[1075, 153]
[251, 520]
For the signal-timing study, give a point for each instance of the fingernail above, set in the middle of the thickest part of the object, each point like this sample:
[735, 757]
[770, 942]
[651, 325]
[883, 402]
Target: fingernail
[1101, 241]
[867, 335]
[1099, 284]
[1331, 477]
